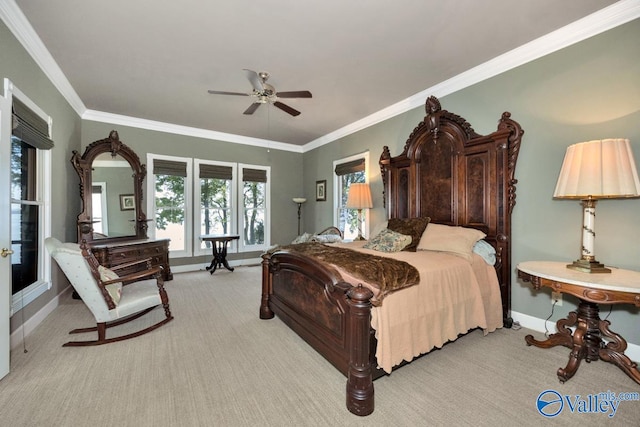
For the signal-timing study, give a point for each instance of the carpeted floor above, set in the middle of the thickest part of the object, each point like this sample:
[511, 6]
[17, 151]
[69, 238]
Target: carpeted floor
[218, 364]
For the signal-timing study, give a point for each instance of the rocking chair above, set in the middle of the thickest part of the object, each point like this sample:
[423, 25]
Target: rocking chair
[112, 300]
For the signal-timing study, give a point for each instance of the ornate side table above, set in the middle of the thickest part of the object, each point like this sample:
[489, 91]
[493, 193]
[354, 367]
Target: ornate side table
[219, 243]
[618, 287]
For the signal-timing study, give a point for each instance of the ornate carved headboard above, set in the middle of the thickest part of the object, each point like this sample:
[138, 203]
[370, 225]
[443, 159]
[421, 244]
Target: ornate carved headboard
[454, 176]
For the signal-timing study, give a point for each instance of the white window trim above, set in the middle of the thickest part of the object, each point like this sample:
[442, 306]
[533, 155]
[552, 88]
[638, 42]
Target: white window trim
[188, 214]
[267, 214]
[192, 203]
[27, 295]
[232, 248]
[336, 186]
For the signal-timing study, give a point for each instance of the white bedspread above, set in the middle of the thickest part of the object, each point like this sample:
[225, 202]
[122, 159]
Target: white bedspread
[453, 297]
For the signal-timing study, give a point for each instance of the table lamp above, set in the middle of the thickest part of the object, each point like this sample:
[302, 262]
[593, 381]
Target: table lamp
[601, 169]
[299, 201]
[359, 198]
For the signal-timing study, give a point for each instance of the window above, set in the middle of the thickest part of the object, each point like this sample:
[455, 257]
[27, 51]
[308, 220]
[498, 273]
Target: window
[346, 172]
[228, 198]
[30, 178]
[172, 194]
[254, 207]
[216, 200]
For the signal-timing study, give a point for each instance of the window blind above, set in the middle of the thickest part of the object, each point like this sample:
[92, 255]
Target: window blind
[216, 171]
[30, 127]
[169, 167]
[254, 175]
[350, 167]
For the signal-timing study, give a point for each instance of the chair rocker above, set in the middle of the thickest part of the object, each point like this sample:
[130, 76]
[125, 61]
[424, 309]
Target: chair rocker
[113, 300]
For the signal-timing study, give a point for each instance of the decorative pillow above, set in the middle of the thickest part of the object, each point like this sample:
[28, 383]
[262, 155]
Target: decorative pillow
[114, 289]
[377, 228]
[301, 239]
[388, 241]
[447, 238]
[413, 227]
[326, 238]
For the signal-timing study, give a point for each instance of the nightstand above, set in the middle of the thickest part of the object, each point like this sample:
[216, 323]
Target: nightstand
[618, 287]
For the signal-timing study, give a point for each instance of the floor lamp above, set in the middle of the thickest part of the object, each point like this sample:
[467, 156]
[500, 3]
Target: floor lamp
[596, 170]
[299, 201]
[359, 198]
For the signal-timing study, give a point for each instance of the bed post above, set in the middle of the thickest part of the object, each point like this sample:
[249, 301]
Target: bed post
[265, 310]
[360, 393]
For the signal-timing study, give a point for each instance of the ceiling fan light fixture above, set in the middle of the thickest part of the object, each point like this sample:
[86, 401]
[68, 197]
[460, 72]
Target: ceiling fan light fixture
[265, 93]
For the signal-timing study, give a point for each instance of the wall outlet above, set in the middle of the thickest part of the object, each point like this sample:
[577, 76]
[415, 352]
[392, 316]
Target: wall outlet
[557, 298]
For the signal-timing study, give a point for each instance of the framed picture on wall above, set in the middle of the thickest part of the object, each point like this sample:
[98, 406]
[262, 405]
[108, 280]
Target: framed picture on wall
[321, 191]
[127, 202]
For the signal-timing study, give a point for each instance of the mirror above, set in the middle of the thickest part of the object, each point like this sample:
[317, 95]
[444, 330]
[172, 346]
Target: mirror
[112, 204]
[111, 178]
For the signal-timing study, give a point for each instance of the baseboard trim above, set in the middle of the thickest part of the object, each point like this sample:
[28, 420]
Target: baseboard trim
[32, 323]
[201, 266]
[530, 322]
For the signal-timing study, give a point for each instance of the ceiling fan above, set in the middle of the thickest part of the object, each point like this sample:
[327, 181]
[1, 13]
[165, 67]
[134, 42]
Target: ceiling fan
[265, 93]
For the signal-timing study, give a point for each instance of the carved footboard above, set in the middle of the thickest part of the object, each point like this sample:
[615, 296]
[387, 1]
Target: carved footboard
[328, 313]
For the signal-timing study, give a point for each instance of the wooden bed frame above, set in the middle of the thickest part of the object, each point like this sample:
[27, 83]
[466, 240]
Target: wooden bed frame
[447, 172]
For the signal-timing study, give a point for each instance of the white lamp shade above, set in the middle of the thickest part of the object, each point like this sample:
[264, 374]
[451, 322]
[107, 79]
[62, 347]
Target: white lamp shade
[359, 196]
[299, 200]
[598, 169]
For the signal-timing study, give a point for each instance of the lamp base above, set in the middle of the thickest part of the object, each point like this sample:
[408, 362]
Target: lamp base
[588, 266]
[359, 238]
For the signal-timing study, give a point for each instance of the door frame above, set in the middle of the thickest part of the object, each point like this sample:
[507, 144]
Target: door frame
[5, 229]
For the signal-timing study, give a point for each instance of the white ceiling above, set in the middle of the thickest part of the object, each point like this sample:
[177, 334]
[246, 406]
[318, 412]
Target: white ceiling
[155, 60]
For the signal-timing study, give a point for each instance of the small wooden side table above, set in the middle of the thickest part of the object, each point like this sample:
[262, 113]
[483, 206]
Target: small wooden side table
[219, 243]
[618, 287]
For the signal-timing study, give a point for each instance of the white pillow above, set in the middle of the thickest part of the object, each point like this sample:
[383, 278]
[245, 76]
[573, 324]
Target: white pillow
[446, 238]
[114, 289]
[486, 251]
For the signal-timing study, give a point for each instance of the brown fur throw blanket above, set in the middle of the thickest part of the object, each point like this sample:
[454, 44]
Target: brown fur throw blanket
[386, 274]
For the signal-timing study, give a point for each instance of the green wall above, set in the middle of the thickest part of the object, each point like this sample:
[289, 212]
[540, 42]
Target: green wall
[587, 91]
[286, 168]
[18, 66]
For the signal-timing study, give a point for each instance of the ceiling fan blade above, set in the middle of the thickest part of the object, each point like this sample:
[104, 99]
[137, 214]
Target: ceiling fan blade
[222, 92]
[252, 108]
[255, 80]
[294, 94]
[286, 108]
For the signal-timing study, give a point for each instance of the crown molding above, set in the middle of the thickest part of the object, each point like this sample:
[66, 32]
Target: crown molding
[99, 116]
[605, 19]
[598, 22]
[18, 24]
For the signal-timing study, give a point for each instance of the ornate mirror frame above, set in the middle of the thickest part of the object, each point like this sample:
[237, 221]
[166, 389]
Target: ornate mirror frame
[84, 167]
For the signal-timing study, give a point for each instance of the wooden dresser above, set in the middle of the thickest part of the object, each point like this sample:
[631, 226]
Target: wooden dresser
[111, 254]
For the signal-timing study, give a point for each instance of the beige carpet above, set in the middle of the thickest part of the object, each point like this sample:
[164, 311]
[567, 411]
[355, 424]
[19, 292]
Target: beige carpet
[218, 364]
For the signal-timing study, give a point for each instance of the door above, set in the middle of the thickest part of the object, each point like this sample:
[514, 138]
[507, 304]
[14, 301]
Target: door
[5, 233]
